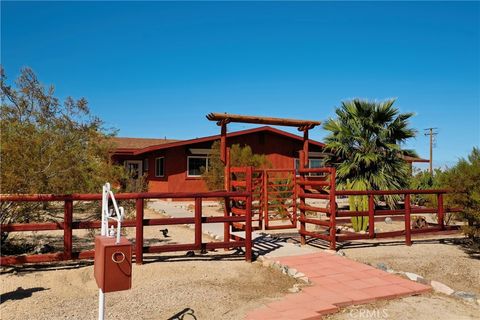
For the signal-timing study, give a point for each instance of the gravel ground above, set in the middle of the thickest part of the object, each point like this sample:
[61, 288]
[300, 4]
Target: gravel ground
[213, 289]
[444, 260]
[424, 307]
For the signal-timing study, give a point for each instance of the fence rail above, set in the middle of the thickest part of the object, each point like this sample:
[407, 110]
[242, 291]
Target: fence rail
[68, 225]
[334, 217]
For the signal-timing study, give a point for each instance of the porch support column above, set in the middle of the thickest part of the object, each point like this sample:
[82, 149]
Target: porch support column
[305, 148]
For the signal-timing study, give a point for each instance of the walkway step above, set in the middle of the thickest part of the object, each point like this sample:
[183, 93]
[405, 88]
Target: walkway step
[336, 282]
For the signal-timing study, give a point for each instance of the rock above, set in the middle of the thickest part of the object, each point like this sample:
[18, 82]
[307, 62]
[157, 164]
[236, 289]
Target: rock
[304, 279]
[341, 253]
[413, 276]
[467, 296]
[261, 258]
[423, 281]
[43, 248]
[190, 254]
[294, 289]
[388, 220]
[292, 271]
[382, 266]
[362, 232]
[299, 275]
[441, 288]
[390, 271]
[350, 230]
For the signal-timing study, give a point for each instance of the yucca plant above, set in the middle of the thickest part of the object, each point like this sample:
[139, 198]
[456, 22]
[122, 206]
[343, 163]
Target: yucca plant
[365, 145]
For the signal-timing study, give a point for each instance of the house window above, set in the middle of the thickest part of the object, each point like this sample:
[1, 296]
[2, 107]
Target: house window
[159, 167]
[312, 163]
[145, 165]
[134, 168]
[196, 165]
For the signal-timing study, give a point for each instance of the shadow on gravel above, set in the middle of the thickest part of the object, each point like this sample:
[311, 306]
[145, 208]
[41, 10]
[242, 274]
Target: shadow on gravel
[47, 266]
[19, 294]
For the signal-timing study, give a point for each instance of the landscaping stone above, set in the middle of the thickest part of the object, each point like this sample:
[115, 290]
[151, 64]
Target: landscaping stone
[413, 276]
[299, 275]
[388, 220]
[382, 266]
[341, 253]
[467, 296]
[304, 279]
[291, 272]
[294, 289]
[441, 288]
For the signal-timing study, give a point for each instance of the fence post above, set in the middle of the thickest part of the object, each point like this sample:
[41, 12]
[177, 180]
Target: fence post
[333, 211]
[408, 236]
[226, 225]
[248, 216]
[265, 197]
[441, 212]
[67, 230]
[198, 223]
[302, 200]
[371, 216]
[294, 199]
[139, 231]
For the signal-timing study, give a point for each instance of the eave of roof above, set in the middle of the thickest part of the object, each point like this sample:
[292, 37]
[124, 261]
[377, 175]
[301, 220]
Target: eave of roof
[229, 135]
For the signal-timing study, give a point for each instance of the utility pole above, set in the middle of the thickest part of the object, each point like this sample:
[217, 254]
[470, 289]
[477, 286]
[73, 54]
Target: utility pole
[432, 133]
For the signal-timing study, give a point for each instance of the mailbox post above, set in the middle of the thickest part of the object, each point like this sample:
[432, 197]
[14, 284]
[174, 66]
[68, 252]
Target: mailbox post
[113, 254]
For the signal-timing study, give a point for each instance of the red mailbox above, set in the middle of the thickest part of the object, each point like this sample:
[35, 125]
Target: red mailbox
[113, 264]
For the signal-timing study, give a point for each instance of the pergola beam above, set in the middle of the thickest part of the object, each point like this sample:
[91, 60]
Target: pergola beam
[224, 118]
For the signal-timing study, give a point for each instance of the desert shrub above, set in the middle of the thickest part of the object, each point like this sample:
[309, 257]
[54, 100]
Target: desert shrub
[464, 180]
[240, 156]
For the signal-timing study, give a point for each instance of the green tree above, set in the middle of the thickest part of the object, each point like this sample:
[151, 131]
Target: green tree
[49, 146]
[240, 156]
[464, 180]
[365, 144]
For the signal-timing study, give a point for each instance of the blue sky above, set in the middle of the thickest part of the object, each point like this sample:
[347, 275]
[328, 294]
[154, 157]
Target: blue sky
[155, 69]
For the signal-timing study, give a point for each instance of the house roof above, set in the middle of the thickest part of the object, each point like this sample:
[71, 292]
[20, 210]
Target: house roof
[138, 143]
[165, 144]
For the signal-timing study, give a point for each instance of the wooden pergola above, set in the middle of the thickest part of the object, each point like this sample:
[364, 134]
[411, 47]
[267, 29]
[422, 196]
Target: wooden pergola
[223, 119]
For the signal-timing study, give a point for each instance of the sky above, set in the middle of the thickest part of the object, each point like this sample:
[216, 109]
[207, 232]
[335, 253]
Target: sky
[155, 69]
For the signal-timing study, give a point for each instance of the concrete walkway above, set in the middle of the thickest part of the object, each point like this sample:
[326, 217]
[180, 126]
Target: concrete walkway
[336, 282]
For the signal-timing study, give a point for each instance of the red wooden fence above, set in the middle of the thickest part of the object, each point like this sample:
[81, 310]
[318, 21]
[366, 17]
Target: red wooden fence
[68, 225]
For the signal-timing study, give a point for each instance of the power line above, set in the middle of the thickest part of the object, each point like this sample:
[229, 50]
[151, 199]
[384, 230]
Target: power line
[432, 133]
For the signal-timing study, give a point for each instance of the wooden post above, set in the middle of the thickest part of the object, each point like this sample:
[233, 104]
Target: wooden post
[226, 225]
[265, 198]
[227, 175]
[139, 231]
[67, 230]
[248, 216]
[333, 211]
[302, 200]
[371, 216]
[305, 149]
[441, 212]
[294, 199]
[408, 236]
[198, 223]
[223, 142]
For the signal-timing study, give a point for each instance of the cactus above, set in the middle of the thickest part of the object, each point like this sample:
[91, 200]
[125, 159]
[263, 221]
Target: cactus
[358, 203]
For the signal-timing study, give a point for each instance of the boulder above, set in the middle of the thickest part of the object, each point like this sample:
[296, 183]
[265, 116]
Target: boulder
[467, 296]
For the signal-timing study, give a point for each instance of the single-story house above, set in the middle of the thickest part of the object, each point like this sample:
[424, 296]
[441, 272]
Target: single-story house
[174, 165]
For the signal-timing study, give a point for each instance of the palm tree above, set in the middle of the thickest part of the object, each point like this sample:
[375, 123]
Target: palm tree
[365, 145]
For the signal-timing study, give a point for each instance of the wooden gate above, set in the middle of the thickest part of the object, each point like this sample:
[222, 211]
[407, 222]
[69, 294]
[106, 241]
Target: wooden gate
[274, 198]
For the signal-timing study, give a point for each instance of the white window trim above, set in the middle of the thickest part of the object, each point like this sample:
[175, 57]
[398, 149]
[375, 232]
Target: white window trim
[188, 165]
[163, 169]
